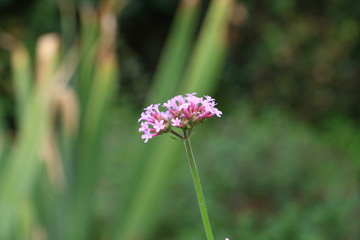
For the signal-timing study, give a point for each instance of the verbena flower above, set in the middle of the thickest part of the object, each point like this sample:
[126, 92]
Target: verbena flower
[182, 112]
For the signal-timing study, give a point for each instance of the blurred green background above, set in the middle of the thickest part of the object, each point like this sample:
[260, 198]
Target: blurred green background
[282, 163]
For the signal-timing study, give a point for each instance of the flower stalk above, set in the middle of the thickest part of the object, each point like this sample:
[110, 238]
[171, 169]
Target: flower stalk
[198, 189]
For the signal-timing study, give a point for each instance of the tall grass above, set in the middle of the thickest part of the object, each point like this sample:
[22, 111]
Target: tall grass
[161, 160]
[51, 167]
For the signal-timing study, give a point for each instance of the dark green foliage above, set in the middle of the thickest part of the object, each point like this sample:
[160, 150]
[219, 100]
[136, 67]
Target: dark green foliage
[301, 54]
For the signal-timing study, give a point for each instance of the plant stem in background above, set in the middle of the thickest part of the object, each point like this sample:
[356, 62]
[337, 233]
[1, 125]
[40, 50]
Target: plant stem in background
[199, 193]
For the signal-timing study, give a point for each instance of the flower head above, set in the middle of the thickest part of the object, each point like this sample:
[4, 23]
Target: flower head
[181, 112]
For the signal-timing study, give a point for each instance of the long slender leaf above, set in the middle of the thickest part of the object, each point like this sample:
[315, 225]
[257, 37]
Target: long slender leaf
[176, 52]
[163, 158]
[22, 169]
[22, 76]
[210, 50]
[99, 89]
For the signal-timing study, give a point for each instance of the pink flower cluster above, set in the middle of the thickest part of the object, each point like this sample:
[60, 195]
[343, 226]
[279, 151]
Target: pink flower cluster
[182, 112]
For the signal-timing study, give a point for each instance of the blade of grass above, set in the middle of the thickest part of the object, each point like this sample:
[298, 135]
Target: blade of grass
[88, 157]
[22, 75]
[88, 149]
[133, 214]
[57, 151]
[28, 221]
[176, 52]
[3, 137]
[139, 220]
[210, 50]
[88, 49]
[23, 167]
[166, 80]
[67, 9]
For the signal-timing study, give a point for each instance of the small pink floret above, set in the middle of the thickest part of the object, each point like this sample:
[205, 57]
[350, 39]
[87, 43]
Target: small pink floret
[159, 125]
[146, 136]
[175, 122]
[144, 127]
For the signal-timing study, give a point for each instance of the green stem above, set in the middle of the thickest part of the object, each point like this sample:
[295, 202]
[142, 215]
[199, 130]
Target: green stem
[176, 134]
[198, 189]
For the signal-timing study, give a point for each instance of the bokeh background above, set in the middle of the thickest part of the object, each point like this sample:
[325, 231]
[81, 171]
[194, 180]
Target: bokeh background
[282, 163]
